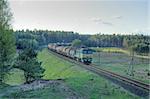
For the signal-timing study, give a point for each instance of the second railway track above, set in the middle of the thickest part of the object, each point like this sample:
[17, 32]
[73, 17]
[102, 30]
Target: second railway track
[93, 68]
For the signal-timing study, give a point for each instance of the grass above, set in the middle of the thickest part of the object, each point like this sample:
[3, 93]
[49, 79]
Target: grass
[118, 50]
[49, 92]
[15, 77]
[112, 49]
[119, 63]
[85, 83]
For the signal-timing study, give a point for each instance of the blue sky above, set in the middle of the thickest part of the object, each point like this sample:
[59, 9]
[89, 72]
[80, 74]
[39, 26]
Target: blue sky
[85, 17]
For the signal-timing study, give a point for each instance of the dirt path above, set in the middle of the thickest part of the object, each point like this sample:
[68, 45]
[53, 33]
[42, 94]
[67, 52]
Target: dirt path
[40, 84]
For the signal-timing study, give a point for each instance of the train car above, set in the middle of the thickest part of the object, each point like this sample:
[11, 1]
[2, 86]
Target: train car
[80, 54]
[52, 47]
[59, 49]
[72, 52]
[64, 50]
[67, 51]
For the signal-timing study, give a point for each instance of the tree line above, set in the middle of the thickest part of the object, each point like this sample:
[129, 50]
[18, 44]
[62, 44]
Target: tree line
[36, 38]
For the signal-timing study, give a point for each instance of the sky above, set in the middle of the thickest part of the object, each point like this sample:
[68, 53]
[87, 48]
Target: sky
[82, 16]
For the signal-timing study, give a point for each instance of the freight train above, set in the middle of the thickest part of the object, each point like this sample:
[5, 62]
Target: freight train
[82, 54]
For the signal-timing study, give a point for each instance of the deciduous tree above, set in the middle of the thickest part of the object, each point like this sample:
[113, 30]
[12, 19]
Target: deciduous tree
[7, 40]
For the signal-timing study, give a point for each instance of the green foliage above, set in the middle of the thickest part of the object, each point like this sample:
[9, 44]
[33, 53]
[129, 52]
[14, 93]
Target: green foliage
[105, 40]
[5, 15]
[76, 43]
[137, 43]
[27, 43]
[142, 48]
[7, 40]
[43, 37]
[15, 77]
[28, 63]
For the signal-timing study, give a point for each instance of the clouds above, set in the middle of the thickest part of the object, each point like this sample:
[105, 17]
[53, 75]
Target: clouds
[83, 17]
[117, 17]
[107, 22]
[102, 21]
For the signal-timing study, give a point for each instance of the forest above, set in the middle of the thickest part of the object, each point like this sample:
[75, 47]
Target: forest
[37, 38]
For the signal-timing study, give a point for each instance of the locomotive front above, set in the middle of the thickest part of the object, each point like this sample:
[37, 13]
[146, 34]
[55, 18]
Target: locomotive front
[84, 55]
[87, 55]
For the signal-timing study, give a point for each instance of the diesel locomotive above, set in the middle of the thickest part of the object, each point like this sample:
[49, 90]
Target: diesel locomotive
[83, 54]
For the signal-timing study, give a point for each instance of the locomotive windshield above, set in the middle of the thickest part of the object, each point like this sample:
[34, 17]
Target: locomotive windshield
[87, 51]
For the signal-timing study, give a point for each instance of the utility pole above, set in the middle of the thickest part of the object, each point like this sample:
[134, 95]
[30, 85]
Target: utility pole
[99, 57]
[99, 47]
[98, 61]
[130, 68]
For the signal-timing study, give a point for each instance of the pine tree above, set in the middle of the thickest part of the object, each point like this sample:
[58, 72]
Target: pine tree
[27, 62]
[7, 40]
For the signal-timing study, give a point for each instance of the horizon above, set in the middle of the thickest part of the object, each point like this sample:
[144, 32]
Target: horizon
[82, 33]
[83, 17]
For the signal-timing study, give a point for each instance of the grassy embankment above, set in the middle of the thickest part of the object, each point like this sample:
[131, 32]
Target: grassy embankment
[86, 84]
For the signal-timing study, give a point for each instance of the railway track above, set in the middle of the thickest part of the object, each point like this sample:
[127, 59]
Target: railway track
[93, 68]
[126, 79]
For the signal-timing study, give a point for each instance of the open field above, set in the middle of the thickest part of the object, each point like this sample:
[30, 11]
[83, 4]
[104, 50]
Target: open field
[83, 83]
[118, 50]
[119, 63]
